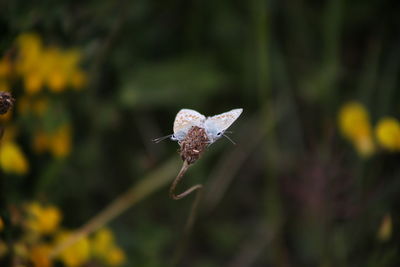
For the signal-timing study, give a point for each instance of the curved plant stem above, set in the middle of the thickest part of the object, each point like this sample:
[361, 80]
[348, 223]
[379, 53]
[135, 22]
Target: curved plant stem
[193, 210]
[178, 178]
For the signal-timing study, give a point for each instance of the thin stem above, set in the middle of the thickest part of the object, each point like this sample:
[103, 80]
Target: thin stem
[178, 178]
[180, 251]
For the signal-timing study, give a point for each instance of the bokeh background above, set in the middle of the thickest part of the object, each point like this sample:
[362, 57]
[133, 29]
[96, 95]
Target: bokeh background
[314, 179]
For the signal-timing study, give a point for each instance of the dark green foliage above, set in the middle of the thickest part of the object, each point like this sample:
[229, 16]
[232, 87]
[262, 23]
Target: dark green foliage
[292, 192]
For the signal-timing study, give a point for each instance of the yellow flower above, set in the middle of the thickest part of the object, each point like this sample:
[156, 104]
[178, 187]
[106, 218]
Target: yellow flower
[5, 67]
[65, 64]
[55, 79]
[1, 224]
[354, 121]
[29, 62]
[388, 133]
[385, 229]
[355, 125]
[39, 255]
[115, 257]
[75, 255]
[42, 219]
[51, 66]
[102, 241]
[30, 51]
[364, 146]
[60, 143]
[33, 82]
[12, 159]
[104, 248]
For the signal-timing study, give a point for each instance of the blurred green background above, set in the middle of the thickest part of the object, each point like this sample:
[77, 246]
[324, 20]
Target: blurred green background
[312, 181]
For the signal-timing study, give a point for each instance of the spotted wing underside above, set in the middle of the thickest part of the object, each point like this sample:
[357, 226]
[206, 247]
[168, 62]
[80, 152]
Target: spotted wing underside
[186, 118]
[224, 120]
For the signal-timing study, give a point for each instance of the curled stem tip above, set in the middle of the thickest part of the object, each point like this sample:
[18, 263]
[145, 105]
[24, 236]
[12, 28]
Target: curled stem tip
[178, 178]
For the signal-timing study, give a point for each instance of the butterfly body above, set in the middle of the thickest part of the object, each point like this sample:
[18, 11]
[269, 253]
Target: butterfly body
[215, 126]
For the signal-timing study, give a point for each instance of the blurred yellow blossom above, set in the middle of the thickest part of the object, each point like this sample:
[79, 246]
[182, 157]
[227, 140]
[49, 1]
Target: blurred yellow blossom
[42, 219]
[61, 73]
[115, 257]
[33, 82]
[1, 224]
[385, 228]
[354, 120]
[104, 248]
[42, 65]
[60, 145]
[354, 124]
[29, 61]
[39, 255]
[102, 241]
[365, 146]
[12, 159]
[76, 254]
[52, 68]
[29, 51]
[388, 133]
[5, 67]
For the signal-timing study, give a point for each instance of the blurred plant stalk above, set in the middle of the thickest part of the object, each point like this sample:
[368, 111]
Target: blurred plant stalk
[148, 185]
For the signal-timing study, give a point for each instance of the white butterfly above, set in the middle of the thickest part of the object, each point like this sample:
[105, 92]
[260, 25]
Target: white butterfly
[215, 126]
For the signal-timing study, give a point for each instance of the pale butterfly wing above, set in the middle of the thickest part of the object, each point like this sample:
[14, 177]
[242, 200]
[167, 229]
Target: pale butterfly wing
[216, 125]
[184, 120]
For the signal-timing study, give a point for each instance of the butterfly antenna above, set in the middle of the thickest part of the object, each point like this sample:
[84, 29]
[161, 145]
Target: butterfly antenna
[159, 139]
[227, 137]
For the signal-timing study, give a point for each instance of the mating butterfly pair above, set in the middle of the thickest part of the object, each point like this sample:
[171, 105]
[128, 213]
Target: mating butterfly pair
[214, 126]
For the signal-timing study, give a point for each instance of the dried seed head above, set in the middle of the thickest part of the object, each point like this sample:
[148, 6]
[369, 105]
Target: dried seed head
[6, 102]
[194, 144]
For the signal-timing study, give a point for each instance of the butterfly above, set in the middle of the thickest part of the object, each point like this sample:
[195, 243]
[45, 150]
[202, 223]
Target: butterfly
[214, 126]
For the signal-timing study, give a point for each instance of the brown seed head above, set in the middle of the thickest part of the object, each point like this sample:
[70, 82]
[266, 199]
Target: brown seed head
[6, 102]
[194, 144]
